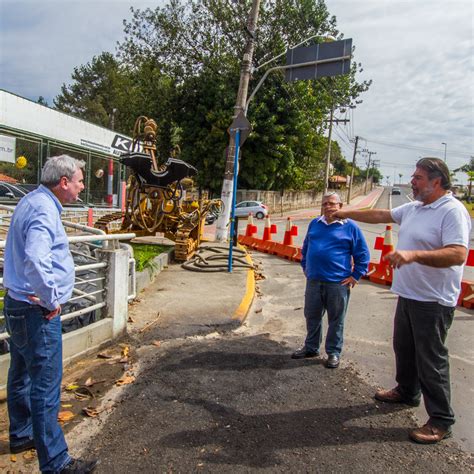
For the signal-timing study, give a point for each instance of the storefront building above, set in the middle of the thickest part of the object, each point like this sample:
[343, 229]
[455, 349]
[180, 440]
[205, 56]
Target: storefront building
[31, 132]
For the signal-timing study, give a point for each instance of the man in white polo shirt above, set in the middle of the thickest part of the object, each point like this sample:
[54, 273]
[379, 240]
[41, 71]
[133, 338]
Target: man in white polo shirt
[432, 247]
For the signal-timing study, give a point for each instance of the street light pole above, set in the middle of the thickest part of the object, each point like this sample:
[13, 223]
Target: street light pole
[445, 148]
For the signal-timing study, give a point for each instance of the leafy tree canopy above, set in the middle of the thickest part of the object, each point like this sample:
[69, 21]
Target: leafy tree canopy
[180, 64]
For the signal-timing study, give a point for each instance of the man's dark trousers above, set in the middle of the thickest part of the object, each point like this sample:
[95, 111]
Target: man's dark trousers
[322, 296]
[422, 358]
[34, 382]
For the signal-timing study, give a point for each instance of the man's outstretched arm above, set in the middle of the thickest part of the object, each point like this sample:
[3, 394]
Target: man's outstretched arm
[371, 216]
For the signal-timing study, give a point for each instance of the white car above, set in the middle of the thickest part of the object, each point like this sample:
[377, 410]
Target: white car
[256, 208]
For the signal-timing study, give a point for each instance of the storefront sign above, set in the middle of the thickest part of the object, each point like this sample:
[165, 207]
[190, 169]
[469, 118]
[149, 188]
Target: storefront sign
[7, 148]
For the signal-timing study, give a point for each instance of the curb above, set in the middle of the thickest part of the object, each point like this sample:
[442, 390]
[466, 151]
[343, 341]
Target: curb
[242, 311]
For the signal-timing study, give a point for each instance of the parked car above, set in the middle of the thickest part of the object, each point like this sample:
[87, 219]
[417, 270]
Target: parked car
[10, 191]
[396, 191]
[210, 218]
[256, 208]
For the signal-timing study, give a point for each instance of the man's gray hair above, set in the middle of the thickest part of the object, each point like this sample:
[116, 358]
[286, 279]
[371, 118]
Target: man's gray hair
[332, 193]
[58, 166]
[436, 168]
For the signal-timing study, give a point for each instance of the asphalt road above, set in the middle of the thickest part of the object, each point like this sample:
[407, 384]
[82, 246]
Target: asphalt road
[369, 327]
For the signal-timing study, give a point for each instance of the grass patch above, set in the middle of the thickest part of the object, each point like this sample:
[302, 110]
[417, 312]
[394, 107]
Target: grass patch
[145, 253]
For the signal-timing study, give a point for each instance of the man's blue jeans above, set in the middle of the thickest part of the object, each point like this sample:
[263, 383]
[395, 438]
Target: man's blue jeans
[34, 382]
[321, 296]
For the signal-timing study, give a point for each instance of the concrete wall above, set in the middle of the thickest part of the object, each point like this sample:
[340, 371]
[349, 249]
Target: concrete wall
[292, 200]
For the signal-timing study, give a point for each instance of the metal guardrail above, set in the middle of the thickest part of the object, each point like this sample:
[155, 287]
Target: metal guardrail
[89, 293]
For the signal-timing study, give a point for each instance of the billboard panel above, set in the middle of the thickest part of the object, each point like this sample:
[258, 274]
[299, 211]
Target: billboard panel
[330, 55]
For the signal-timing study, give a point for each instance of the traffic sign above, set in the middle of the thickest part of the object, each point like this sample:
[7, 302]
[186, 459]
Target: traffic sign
[240, 123]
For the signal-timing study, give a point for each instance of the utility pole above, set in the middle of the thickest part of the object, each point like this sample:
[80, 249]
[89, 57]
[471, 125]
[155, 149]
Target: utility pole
[328, 156]
[352, 170]
[370, 153]
[227, 185]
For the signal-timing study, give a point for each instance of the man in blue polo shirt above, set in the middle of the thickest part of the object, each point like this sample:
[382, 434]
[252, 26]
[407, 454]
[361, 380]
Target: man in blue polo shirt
[335, 256]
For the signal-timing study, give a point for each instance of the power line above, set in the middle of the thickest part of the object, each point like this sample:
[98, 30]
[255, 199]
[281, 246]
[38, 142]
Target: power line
[418, 148]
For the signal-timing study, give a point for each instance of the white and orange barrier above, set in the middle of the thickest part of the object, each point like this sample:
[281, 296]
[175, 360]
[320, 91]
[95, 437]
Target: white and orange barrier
[380, 272]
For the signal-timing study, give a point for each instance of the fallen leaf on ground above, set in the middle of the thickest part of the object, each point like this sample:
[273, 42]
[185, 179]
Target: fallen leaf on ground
[130, 319]
[103, 355]
[92, 412]
[71, 387]
[125, 380]
[259, 310]
[125, 351]
[83, 393]
[298, 307]
[65, 415]
[29, 455]
[156, 343]
[66, 405]
[89, 382]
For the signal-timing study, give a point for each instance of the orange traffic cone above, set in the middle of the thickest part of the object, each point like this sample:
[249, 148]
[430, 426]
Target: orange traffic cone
[291, 230]
[288, 238]
[266, 244]
[382, 272]
[251, 228]
[387, 242]
[269, 229]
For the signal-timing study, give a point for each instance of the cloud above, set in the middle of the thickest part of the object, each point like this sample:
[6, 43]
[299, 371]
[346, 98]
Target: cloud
[420, 57]
[418, 53]
[42, 42]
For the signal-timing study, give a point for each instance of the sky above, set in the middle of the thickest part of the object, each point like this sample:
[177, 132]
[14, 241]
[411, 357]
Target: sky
[419, 54]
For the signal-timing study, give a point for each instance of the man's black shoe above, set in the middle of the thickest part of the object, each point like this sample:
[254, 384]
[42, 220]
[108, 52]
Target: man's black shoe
[303, 353]
[79, 466]
[332, 362]
[30, 444]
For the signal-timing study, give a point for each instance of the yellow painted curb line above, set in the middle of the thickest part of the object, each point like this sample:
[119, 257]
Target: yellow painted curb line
[243, 309]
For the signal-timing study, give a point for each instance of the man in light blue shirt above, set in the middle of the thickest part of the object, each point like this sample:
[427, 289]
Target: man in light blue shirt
[38, 275]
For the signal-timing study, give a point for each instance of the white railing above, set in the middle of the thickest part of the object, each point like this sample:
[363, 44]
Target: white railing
[90, 288]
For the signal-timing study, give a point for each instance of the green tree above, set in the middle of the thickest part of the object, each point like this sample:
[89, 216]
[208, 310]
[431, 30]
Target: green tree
[180, 64]
[468, 168]
[98, 88]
